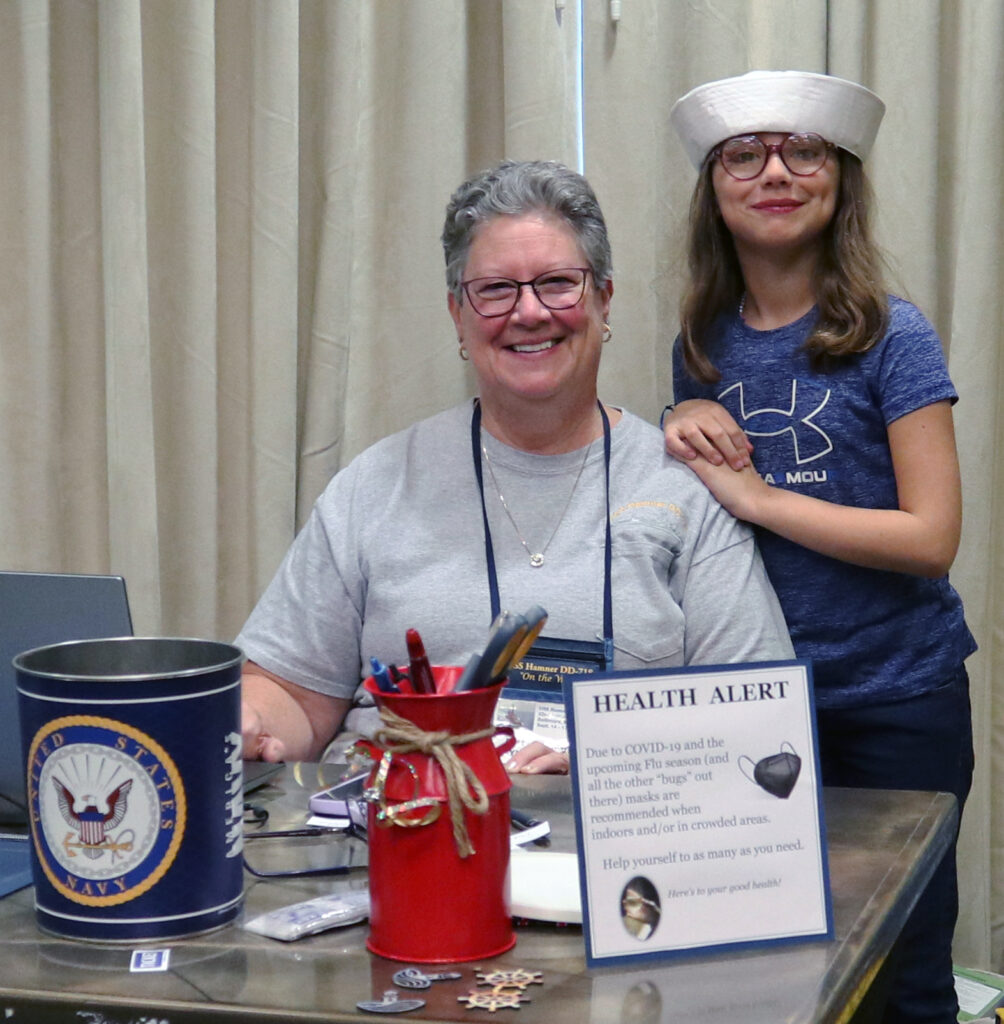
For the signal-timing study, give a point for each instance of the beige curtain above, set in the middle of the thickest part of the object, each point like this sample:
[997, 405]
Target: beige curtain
[433, 93]
[220, 274]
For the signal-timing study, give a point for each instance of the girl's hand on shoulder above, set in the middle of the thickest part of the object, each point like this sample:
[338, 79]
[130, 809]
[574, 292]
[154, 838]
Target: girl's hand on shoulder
[740, 492]
[699, 427]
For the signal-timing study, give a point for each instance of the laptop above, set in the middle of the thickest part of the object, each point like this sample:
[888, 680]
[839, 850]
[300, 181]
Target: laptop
[37, 609]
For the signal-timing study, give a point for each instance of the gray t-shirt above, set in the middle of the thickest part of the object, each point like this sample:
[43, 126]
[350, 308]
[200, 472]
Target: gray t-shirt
[396, 541]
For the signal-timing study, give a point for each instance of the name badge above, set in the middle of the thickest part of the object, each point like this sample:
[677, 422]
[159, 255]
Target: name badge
[533, 697]
[551, 661]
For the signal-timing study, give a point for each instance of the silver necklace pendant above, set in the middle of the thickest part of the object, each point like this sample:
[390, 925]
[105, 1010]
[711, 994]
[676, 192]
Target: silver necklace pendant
[536, 557]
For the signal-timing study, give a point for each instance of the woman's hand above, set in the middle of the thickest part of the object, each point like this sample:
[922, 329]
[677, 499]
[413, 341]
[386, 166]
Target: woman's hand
[281, 721]
[258, 744]
[537, 758]
[698, 427]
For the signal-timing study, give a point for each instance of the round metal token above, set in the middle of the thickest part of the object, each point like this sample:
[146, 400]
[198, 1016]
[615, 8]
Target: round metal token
[390, 1004]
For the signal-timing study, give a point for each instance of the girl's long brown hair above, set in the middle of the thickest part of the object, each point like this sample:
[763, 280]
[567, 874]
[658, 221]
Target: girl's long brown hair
[849, 288]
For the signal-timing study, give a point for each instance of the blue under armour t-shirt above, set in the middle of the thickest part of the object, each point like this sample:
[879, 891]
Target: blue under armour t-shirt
[872, 635]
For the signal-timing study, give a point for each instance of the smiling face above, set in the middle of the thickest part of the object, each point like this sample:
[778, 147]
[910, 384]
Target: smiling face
[777, 210]
[533, 354]
[634, 906]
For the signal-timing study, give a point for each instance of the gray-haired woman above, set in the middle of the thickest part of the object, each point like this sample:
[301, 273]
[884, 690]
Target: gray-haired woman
[533, 493]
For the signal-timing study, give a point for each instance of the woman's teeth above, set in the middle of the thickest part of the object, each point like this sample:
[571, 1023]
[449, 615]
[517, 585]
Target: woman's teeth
[541, 346]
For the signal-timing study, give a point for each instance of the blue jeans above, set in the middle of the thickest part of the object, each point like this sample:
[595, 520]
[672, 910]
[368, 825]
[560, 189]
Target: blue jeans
[926, 743]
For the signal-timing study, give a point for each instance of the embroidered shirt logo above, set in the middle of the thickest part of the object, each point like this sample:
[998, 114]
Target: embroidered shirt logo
[108, 809]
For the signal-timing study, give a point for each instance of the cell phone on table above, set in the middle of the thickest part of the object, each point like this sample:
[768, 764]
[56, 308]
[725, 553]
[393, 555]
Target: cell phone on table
[334, 801]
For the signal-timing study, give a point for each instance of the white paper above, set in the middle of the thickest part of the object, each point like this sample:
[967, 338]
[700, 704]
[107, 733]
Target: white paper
[974, 996]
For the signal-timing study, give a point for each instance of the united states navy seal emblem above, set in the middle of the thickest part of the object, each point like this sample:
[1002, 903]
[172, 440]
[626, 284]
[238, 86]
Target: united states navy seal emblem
[108, 809]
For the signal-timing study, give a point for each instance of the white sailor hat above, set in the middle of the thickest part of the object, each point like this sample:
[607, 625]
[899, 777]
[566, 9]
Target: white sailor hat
[843, 112]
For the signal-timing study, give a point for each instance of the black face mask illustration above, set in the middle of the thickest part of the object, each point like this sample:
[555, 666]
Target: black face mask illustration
[777, 773]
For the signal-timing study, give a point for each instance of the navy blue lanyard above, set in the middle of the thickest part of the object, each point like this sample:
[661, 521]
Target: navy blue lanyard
[493, 581]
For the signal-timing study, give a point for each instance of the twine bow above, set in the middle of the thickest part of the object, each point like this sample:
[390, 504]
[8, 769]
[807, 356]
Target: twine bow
[463, 787]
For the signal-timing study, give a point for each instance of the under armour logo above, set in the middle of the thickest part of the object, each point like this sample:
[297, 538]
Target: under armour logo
[808, 441]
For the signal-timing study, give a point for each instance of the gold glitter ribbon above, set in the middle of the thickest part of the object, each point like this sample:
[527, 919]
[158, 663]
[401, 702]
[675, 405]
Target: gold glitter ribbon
[463, 788]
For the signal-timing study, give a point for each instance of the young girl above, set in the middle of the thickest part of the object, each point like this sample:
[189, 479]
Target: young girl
[818, 408]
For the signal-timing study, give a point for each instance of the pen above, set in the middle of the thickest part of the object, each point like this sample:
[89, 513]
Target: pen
[536, 617]
[381, 675]
[499, 642]
[523, 821]
[530, 623]
[468, 675]
[498, 622]
[504, 661]
[509, 639]
[422, 680]
[400, 679]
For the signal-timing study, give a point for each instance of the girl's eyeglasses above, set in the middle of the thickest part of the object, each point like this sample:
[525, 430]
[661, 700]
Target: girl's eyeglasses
[745, 156]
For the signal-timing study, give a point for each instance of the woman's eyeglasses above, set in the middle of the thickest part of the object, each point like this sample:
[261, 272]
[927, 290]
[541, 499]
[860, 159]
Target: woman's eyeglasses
[555, 289]
[745, 156]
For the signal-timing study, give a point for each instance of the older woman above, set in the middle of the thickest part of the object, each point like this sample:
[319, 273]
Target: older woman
[505, 501]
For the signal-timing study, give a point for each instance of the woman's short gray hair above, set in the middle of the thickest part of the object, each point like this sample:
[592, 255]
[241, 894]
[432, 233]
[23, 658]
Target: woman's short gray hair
[517, 187]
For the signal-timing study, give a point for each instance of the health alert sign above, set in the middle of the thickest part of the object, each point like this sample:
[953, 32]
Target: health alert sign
[698, 810]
